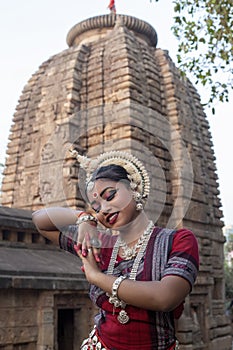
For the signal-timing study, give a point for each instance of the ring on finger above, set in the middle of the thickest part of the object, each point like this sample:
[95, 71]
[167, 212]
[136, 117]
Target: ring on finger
[95, 242]
[89, 250]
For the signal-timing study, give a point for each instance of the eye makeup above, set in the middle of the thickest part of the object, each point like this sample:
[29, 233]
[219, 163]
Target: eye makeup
[107, 194]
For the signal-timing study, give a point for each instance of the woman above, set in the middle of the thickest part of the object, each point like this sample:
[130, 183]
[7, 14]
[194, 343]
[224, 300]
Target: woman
[140, 276]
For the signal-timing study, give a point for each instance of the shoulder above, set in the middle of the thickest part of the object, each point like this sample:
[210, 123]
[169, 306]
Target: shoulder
[183, 259]
[185, 241]
[181, 243]
[186, 236]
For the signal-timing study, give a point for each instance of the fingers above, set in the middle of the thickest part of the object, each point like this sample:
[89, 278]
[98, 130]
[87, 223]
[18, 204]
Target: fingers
[82, 249]
[96, 253]
[78, 251]
[82, 253]
[86, 240]
[93, 245]
[78, 247]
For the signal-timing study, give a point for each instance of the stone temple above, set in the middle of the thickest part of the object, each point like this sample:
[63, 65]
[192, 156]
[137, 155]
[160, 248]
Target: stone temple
[111, 89]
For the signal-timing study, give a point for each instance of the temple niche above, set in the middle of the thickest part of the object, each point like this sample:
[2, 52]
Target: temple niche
[112, 88]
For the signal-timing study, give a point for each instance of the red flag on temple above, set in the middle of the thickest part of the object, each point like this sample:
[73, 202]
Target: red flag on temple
[112, 6]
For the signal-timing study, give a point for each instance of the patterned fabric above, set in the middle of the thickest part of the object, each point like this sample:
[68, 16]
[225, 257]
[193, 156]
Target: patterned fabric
[93, 342]
[168, 253]
[68, 238]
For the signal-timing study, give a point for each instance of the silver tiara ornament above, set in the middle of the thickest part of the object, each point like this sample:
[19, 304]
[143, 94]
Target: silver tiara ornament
[137, 174]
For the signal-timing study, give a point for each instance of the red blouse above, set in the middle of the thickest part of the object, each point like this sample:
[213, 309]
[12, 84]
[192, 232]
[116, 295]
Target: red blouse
[168, 253]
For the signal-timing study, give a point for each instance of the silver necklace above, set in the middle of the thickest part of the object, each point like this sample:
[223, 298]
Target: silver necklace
[123, 316]
[128, 252]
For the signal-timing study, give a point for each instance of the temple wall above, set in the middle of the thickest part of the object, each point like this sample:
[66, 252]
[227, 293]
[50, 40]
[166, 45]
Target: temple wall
[114, 89]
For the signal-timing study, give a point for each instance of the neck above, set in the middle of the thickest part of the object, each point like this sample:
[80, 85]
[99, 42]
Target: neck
[135, 228]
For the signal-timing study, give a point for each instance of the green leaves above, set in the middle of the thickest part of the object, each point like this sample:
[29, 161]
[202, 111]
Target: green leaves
[205, 44]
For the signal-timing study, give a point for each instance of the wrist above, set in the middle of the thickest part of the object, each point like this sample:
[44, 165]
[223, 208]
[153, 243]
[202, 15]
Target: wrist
[96, 278]
[116, 285]
[86, 217]
[113, 297]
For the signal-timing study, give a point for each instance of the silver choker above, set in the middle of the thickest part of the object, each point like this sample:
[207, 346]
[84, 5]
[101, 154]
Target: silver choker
[130, 253]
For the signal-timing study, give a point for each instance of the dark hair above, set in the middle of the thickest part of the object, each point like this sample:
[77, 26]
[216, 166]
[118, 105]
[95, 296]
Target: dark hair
[111, 172]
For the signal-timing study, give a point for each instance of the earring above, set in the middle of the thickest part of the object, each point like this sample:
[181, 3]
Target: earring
[137, 197]
[139, 206]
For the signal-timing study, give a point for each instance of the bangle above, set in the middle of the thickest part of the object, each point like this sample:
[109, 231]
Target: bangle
[81, 213]
[85, 218]
[113, 299]
[116, 285]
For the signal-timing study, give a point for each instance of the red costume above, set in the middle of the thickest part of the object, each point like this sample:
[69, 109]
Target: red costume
[168, 252]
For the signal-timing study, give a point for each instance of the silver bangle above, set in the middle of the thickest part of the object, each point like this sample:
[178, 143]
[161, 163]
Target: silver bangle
[116, 285]
[85, 218]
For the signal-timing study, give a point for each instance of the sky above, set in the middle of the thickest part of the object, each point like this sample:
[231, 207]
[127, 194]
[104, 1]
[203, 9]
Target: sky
[32, 31]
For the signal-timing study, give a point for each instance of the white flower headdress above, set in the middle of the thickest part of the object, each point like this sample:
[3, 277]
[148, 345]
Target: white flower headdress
[137, 174]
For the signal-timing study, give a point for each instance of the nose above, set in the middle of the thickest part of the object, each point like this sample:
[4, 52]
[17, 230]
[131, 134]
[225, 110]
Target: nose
[105, 208]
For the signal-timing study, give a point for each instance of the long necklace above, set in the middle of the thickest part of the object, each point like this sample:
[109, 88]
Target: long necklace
[123, 316]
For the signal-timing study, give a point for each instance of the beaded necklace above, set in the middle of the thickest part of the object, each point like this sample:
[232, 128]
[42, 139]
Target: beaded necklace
[128, 252]
[123, 316]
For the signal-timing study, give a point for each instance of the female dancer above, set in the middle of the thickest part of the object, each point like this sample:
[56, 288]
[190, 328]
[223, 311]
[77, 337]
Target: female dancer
[140, 276]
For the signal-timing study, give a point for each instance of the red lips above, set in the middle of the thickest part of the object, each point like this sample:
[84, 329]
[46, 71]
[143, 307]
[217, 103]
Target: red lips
[112, 218]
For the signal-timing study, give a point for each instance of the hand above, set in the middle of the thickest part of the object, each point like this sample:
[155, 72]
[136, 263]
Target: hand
[90, 265]
[88, 231]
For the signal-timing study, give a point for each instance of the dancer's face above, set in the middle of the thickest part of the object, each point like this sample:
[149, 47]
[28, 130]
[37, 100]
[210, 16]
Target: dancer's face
[113, 203]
